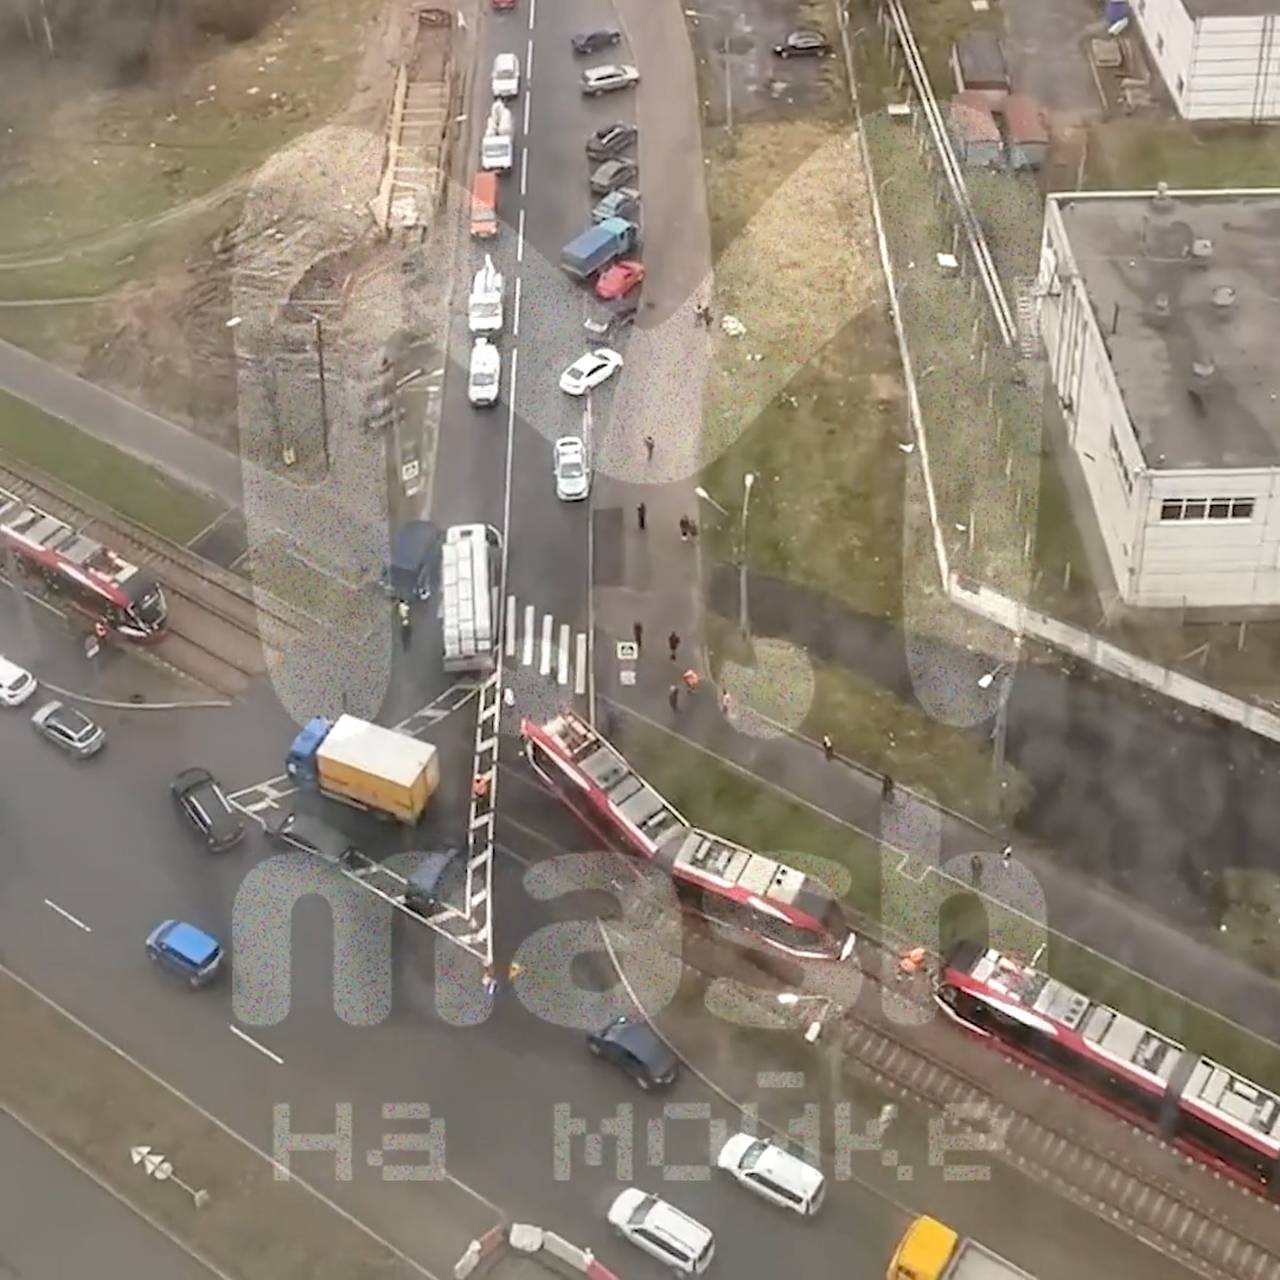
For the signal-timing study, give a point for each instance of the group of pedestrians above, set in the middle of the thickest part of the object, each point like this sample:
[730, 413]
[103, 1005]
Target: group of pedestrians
[688, 527]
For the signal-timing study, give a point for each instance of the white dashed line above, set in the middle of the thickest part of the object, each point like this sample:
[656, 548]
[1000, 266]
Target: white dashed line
[526, 654]
[533, 9]
[66, 915]
[528, 61]
[526, 117]
[520, 238]
[511, 626]
[544, 667]
[515, 319]
[580, 678]
[524, 171]
[562, 655]
[266, 1053]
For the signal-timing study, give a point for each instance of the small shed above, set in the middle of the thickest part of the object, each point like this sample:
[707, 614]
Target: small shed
[974, 133]
[1026, 132]
[977, 61]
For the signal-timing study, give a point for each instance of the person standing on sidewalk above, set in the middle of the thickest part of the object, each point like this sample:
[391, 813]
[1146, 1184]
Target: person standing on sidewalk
[637, 630]
[684, 528]
[406, 621]
[673, 697]
[641, 511]
[828, 747]
[726, 702]
[886, 787]
[975, 869]
[648, 448]
[673, 643]
[1006, 855]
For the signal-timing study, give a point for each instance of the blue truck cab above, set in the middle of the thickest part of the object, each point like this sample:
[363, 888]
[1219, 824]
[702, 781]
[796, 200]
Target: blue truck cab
[598, 246]
[300, 763]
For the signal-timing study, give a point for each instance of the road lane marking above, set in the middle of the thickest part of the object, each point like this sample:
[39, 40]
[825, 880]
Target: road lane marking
[520, 239]
[515, 321]
[62, 911]
[524, 171]
[511, 626]
[511, 400]
[526, 656]
[544, 667]
[525, 130]
[533, 9]
[266, 1053]
[562, 655]
[580, 678]
[528, 61]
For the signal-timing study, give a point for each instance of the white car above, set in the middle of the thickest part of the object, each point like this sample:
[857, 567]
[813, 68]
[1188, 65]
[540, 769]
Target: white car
[17, 684]
[484, 379]
[663, 1232]
[590, 371]
[608, 78]
[765, 1168]
[505, 80]
[573, 475]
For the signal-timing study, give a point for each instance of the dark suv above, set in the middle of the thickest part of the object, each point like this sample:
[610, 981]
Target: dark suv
[634, 1047]
[594, 41]
[309, 835]
[207, 808]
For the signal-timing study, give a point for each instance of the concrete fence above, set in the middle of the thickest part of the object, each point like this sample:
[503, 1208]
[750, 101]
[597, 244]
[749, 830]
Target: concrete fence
[524, 1238]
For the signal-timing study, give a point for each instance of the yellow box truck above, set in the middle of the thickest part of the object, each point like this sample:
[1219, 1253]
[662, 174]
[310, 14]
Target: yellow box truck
[365, 765]
[930, 1250]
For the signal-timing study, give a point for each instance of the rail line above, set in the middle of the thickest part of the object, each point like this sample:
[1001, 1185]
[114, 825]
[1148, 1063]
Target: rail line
[982, 258]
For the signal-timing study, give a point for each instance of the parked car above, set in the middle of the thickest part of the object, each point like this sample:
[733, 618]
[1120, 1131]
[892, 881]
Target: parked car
[505, 81]
[611, 140]
[612, 174]
[69, 729]
[663, 1231]
[618, 280]
[484, 379]
[504, 4]
[589, 371]
[634, 1048]
[305, 834]
[609, 317]
[762, 1166]
[623, 202]
[594, 41]
[608, 78]
[573, 474]
[803, 44]
[204, 804]
[186, 950]
[17, 684]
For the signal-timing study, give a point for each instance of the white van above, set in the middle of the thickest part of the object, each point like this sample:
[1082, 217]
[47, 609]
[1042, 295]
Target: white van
[484, 306]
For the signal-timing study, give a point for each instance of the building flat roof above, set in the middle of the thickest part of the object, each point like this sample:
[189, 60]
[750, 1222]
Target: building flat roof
[1230, 8]
[1186, 290]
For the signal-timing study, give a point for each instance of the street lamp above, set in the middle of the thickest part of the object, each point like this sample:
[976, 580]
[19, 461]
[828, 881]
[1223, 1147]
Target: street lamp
[744, 624]
[706, 497]
[1004, 674]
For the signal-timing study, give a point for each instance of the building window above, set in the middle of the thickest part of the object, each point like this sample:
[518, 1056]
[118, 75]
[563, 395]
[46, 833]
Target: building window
[1206, 509]
[1118, 458]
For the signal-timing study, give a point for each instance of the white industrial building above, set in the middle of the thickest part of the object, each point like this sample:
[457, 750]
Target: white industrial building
[1160, 314]
[1219, 59]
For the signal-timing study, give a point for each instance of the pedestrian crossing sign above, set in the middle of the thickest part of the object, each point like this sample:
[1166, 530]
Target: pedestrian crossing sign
[628, 651]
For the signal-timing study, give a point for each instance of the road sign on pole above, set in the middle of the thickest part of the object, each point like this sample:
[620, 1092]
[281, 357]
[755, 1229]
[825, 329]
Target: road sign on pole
[159, 1167]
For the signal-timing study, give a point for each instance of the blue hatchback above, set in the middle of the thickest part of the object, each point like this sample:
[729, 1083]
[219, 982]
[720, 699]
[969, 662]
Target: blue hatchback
[186, 950]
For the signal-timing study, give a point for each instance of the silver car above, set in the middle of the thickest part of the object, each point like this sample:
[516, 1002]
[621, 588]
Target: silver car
[69, 729]
[606, 79]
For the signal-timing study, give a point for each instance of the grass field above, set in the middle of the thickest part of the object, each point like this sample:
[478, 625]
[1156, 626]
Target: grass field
[138, 492]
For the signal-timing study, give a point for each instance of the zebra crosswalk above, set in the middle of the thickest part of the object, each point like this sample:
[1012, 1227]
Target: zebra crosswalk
[556, 650]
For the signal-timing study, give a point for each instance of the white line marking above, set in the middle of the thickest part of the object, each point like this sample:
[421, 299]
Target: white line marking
[526, 656]
[228, 1130]
[528, 61]
[520, 239]
[511, 401]
[525, 129]
[533, 8]
[562, 656]
[511, 626]
[66, 915]
[524, 171]
[580, 667]
[544, 667]
[515, 319]
[266, 1053]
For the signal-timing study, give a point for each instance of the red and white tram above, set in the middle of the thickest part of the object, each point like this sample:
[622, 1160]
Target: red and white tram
[86, 575]
[723, 882]
[1199, 1105]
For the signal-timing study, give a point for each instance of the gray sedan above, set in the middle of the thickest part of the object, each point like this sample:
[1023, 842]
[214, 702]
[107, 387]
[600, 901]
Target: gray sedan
[69, 729]
[612, 174]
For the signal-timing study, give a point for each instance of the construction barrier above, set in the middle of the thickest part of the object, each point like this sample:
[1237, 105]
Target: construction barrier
[525, 1238]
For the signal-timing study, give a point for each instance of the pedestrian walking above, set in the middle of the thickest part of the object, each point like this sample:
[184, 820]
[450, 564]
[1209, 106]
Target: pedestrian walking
[1006, 854]
[514, 970]
[673, 697]
[684, 528]
[641, 511]
[673, 643]
[726, 701]
[975, 868]
[637, 630]
[828, 747]
[648, 448]
[691, 680]
[693, 528]
[886, 787]
[406, 622]
[490, 983]
[697, 314]
[706, 316]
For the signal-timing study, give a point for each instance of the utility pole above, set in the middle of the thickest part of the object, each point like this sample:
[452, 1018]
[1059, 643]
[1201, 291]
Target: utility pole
[324, 402]
[1000, 734]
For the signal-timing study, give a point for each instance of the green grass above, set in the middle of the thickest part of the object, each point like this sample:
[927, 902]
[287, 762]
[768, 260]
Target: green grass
[137, 491]
[1134, 153]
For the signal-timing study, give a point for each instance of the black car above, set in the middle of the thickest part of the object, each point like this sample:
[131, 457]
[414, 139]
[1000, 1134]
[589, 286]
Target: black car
[594, 41]
[611, 175]
[803, 44]
[206, 807]
[634, 1047]
[611, 140]
[302, 832]
[609, 317]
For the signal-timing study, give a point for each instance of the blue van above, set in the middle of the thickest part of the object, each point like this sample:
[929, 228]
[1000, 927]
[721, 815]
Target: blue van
[413, 567]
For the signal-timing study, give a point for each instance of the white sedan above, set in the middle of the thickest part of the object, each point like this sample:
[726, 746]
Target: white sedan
[765, 1168]
[573, 475]
[17, 684]
[485, 376]
[590, 371]
[663, 1231]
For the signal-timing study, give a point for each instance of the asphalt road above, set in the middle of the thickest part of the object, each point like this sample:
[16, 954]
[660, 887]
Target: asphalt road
[54, 1221]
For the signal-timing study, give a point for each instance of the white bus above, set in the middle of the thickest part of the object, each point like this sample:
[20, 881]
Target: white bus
[470, 572]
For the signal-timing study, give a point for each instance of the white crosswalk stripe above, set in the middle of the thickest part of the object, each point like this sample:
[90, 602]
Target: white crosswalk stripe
[560, 653]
